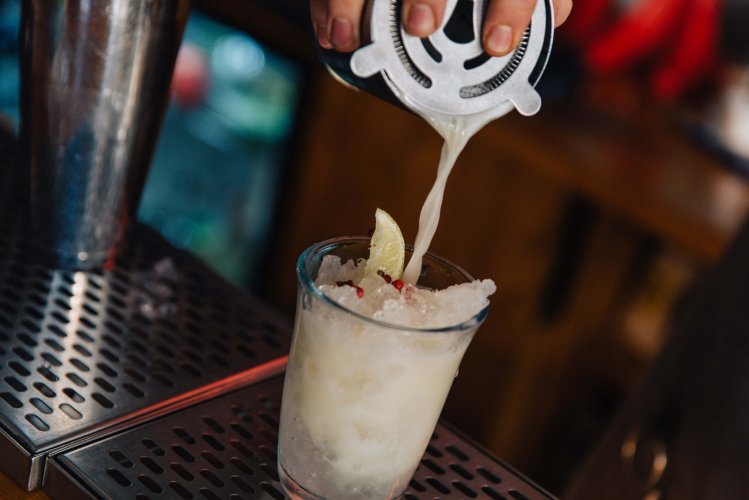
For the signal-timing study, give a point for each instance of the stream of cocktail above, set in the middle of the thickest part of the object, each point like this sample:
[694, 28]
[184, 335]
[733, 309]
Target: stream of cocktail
[456, 132]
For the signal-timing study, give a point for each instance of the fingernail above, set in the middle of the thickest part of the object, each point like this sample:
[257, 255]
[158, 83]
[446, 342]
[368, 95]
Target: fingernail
[499, 40]
[341, 33]
[421, 20]
[322, 37]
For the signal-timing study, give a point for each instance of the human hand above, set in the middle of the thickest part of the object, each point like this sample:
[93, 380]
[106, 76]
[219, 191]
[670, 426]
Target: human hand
[336, 22]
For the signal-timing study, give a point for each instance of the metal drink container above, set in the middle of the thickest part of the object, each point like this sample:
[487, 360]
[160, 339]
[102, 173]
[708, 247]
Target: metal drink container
[95, 83]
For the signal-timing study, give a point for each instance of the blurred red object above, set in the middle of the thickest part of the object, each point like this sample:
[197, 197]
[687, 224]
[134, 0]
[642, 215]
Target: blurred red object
[674, 40]
[695, 54]
[587, 20]
[190, 79]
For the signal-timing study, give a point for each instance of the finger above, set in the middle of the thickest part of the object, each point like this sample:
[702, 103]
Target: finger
[319, 15]
[422, 17]
[562, 9]
[505, 23]
[342, 24]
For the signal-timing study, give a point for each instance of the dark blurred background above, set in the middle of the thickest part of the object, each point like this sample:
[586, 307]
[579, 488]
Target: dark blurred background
[594, 217]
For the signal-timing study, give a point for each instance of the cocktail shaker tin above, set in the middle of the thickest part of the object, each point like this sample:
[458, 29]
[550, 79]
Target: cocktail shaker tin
[95, 83]
[447, 73]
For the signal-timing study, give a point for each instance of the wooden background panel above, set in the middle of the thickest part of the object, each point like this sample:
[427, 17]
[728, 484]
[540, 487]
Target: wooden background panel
[10, 491]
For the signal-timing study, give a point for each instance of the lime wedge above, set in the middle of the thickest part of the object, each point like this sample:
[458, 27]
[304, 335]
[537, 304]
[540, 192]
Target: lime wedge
[387, 250]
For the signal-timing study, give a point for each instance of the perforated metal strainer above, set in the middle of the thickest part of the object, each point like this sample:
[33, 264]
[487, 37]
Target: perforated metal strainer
[447, 73]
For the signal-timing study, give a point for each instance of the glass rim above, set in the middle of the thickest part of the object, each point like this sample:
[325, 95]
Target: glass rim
[308, 283]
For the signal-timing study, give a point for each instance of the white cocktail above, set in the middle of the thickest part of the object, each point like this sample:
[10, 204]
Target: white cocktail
[371, 364]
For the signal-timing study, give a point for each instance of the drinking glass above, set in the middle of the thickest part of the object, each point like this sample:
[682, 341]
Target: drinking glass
[362, 396]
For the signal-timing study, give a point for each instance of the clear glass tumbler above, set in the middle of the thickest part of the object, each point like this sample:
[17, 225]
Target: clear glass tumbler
[361, 396]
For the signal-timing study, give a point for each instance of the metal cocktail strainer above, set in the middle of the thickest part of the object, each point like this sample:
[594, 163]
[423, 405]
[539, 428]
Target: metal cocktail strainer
[447, 73]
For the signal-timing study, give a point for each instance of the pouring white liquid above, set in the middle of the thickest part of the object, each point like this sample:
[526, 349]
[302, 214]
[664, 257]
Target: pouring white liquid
[456, 131]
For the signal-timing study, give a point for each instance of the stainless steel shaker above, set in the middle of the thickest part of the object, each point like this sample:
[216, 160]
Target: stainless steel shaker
[447, 73]
[94, 87]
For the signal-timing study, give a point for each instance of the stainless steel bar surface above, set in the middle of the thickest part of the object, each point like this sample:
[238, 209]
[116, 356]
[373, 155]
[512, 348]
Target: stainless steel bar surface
[95, 81]
[225, 447]
[85, 353]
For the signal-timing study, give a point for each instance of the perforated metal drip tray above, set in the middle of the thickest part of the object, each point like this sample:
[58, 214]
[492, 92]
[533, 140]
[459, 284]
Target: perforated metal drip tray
[226, 448]
[83, 353]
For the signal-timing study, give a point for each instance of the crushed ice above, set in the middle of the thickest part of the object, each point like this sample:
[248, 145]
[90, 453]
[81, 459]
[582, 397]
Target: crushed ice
[412, 306]
[153, 290]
